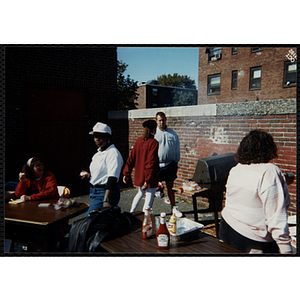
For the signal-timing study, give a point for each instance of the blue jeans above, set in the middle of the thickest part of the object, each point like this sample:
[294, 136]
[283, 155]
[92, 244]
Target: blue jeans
[97, 197]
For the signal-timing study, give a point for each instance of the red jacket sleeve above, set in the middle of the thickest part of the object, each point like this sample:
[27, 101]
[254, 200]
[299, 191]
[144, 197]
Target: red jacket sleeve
[22, 188]
[151, 161]
[130, 163]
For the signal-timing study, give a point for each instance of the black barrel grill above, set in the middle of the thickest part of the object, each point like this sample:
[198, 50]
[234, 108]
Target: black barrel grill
[213, 170]
[211, 173]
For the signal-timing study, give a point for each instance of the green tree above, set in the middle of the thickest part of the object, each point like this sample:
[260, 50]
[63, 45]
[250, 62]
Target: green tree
[182, 98]
[126, 89]
[176, 80]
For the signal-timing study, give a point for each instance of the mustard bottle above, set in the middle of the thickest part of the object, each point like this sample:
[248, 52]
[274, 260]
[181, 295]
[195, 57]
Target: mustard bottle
[172, 226]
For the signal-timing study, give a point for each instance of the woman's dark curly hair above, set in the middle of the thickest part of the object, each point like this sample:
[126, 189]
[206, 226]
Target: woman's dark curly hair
[256, 147]
[29, 173]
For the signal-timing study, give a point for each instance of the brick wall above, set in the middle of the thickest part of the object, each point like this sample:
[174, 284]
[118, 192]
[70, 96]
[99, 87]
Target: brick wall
[207, 129]
[271, 60]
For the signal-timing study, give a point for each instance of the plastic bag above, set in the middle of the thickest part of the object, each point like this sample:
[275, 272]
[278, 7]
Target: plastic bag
[191, 186]
[64, 203]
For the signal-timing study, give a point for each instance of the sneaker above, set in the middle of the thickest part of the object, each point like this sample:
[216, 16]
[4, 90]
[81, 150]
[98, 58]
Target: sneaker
[167, 201]
[177, 213]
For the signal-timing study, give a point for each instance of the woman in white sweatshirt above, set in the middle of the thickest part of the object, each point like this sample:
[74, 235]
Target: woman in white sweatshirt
[255, 213]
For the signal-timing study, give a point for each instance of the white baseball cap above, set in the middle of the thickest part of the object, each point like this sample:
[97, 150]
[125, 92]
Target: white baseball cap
[101, 128]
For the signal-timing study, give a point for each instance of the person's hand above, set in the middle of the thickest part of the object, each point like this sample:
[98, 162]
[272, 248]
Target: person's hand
[22, 177]
[25, 198]
[106, 204]
[145, 186]
[84, 174]
[125, 179]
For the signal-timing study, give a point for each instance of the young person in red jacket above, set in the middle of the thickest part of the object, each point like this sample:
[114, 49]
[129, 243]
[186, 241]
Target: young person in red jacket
[144, 158]
[36, 183]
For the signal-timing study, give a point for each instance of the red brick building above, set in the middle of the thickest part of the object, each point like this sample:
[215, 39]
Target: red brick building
[240, 74]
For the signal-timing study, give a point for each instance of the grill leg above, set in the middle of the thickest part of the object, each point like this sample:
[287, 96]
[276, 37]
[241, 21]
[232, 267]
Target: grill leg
[216, 221]
[215, 198]
[195, 208]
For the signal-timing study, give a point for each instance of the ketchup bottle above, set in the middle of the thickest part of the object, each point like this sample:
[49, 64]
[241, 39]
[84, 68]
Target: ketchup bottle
[162, 234]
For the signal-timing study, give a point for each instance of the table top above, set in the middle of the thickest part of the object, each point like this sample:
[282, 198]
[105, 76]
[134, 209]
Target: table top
[177, 189]
[29, 213]
[133, 243]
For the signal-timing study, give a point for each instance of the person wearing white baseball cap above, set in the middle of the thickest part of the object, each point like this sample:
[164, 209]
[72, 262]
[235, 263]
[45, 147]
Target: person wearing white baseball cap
[101, 128]
[105, 169]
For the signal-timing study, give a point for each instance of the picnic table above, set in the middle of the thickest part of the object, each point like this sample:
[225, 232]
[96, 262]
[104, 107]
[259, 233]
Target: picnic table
[133, 244]
[25, 220]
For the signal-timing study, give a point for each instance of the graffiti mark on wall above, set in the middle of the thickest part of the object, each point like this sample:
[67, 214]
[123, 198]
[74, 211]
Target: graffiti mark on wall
[218, 135]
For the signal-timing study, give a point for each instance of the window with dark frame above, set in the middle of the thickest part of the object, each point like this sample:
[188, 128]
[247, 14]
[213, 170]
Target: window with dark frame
[233, 50]
[214, 84]
[214, 54]
[256, 49]
[234, 80]
[290, 74]
[154, 91]
[255, 78]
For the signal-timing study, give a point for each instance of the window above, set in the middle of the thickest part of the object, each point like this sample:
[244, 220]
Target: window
[214, 53]
[255, 78]
[256, 49]
[290, 74]
[234, 80]
[154, 91]
[214, 84]
[233, 50]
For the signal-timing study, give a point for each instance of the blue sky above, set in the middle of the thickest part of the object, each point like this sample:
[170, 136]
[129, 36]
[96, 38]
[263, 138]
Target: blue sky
[146, 63]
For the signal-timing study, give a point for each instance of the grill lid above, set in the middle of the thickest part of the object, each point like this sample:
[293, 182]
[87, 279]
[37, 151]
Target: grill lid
[214, 168]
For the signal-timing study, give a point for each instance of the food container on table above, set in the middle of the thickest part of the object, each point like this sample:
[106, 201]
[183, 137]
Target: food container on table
[186, 229]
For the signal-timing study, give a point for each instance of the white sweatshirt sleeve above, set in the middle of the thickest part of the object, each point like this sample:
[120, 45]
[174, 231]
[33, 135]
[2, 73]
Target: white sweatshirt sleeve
[275, 197]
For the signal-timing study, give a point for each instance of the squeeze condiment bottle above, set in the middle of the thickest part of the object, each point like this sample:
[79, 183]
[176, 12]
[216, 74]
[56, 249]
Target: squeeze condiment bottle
[151, 222]
[172, 226]
[147, 225]
[162, 234]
